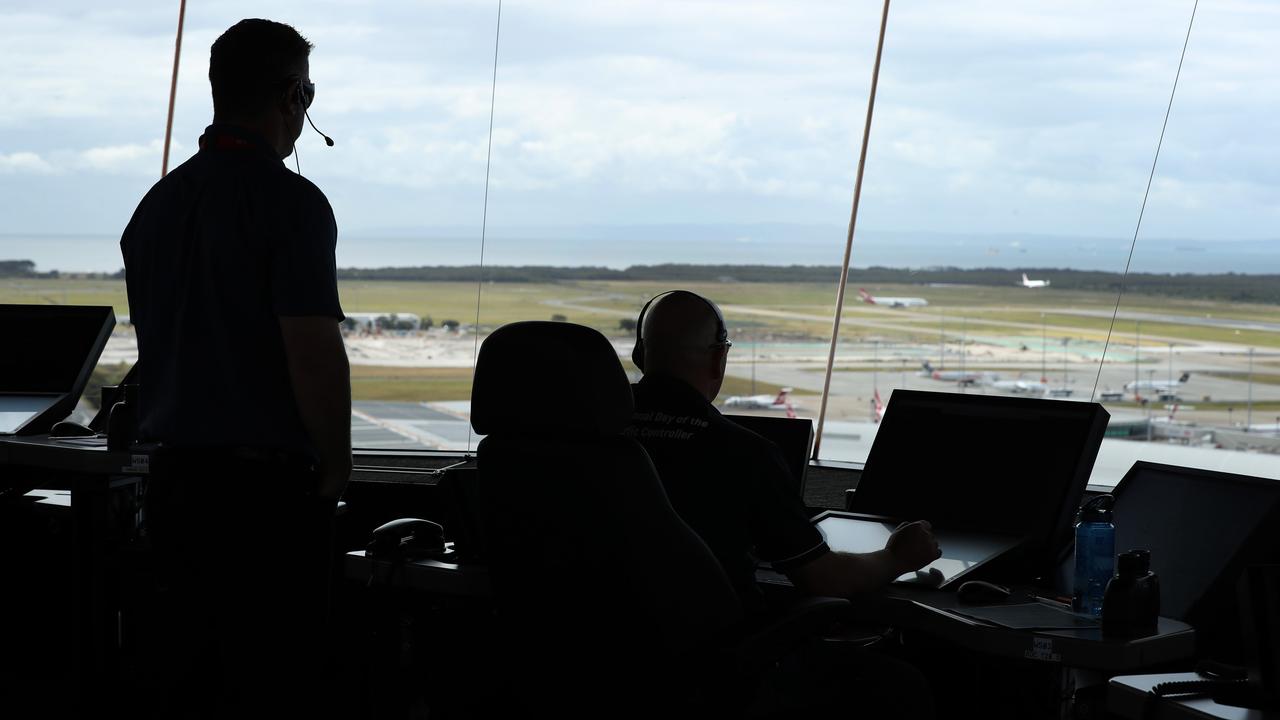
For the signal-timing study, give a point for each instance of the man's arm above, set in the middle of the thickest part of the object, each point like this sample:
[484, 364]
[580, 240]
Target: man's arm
[321, 379]
[837, 574]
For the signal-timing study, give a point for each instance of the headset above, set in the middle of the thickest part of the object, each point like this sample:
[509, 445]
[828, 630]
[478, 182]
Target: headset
[304, 104]
[302, 100]
[637, 354]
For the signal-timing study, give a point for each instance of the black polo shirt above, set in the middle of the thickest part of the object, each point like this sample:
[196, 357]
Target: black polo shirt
[729, 484]
[216, 251]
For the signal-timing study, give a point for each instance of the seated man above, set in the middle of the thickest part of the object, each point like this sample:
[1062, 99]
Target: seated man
[729, 484]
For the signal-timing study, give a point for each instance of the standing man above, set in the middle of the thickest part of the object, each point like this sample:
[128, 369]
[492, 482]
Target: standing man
[244, 382]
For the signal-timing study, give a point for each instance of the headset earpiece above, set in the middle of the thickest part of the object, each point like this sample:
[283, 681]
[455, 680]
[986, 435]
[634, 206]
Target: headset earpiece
[637, 353]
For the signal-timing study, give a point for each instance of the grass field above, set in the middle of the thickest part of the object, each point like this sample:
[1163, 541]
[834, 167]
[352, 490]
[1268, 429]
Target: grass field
[371, 382]
[777, 311]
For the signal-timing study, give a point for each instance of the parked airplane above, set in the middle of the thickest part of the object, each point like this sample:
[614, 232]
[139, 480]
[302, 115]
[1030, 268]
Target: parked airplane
[1162, 388]
[964, 377]
[1033, 283]
[891, 301]
[762, 402]
[1031, 387]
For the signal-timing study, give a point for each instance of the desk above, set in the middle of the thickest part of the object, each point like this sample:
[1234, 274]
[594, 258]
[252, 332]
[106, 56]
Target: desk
[92, 473]
[1127, 697]
[929, 611]
[430, 576]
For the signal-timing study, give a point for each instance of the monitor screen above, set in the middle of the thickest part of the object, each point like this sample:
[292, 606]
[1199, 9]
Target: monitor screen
[793, 436]
[18, 410]
[1195, 523]
[55, 347]
[1015, 466]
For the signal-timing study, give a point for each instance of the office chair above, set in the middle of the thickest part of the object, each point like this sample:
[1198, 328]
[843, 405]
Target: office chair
[608, 602]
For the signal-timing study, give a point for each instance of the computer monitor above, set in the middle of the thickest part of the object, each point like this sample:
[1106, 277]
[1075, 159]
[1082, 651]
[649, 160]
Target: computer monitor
[793, 436]
[54, 349]
[1005, 465]
[1202, 528]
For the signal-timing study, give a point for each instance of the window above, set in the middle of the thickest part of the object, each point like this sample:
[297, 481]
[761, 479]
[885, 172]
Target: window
[638, 147]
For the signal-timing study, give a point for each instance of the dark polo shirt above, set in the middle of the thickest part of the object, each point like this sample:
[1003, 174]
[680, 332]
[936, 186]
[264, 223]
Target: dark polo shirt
[729, 484]
[216, 251]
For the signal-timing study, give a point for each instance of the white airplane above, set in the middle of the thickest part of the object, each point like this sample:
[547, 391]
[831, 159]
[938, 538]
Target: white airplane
[964, 377]
[891, 301]
[761, 402]
[1033, 283]
[1160, 387]
[1018, 386]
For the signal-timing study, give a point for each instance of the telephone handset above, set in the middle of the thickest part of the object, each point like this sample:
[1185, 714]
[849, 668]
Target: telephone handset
[406, 539]
[1226, 684]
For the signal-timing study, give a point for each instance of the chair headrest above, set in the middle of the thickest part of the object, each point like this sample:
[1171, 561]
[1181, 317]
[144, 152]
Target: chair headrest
[549, 377]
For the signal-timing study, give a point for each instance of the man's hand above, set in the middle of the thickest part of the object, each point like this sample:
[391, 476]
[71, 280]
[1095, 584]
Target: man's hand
[913, 546]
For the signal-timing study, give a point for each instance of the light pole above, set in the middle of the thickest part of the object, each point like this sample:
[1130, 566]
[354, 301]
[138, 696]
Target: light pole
[875, 365]
[1248, 422]
[1137, 351]
[1044, 341]
[1065, 340]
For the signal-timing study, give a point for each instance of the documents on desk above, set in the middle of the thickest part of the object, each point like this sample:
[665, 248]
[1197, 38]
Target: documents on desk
[1030, 616]
[963, 552]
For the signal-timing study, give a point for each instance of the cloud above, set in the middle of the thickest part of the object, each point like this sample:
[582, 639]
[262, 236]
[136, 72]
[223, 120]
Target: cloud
[24, 162]
[991, 116]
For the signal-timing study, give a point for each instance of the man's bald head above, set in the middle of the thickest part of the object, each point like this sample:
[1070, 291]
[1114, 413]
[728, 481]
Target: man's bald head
[685, 337]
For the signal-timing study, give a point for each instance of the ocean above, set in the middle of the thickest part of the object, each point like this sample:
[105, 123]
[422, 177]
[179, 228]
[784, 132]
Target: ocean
[763, 244]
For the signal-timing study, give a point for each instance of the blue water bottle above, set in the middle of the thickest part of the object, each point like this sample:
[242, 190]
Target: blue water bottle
[1095, 555]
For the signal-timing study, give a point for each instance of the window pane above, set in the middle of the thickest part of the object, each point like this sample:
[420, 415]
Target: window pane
[1012, 145]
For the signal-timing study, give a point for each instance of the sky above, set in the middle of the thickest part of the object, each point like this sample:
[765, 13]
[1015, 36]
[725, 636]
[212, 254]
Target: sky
[1000, 119]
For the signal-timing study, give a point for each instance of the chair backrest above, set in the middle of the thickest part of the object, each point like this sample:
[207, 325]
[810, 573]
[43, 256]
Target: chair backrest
[586, 554]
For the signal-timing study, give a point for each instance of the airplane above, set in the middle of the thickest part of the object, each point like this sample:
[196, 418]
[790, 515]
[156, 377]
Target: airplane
[964, 377]
[762, 402]
[1018, 386]
[1033, 283]
[877, 408]
[891, 301]
[1163, 388]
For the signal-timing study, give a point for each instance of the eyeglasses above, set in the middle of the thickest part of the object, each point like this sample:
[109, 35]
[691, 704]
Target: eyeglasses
[307, 90]
[726, 344]
[308, 93]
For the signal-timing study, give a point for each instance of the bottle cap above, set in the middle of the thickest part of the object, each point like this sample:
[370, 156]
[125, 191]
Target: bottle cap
[1134, 563]
[1097, 509]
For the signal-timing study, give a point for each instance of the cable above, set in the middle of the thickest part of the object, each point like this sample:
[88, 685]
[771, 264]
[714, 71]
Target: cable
[1134, 243]
[484, 215]
[296, 162]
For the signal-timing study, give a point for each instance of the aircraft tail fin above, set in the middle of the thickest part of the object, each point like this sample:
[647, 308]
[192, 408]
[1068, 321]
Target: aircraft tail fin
[866, 296]
[1185, 377]
[877, 407]
[782, 399]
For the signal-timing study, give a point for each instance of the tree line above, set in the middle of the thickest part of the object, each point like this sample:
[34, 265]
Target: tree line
[1234, 287]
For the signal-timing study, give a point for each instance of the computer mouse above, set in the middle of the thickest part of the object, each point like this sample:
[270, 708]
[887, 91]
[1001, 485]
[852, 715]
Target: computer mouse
[67, 428]
[981, 591]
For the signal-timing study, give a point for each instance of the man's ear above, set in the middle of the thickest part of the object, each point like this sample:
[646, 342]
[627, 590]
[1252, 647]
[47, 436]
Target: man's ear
[291, 100]
[717, 361]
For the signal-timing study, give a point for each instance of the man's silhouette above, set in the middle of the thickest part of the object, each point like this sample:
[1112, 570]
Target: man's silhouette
[733, 488]
[244, 382]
